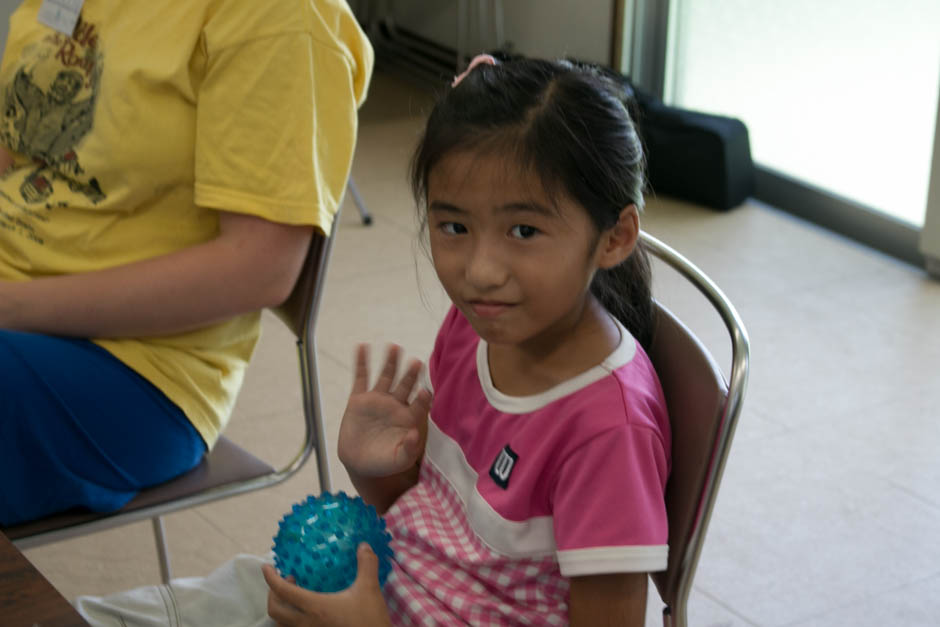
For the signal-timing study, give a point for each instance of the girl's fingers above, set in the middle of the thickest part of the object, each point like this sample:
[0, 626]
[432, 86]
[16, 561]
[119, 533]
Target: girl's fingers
[402, 391]
[387, 376]
[367, 567]
[361, 375]
[287, 596]
[282, 611]
[421, 404]
[408, 380]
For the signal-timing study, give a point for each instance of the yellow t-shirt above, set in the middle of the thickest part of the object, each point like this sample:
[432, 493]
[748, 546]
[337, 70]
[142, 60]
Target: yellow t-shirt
[131, 132]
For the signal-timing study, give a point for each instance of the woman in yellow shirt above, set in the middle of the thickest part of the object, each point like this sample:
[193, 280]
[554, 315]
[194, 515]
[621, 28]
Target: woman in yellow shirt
[164, 166]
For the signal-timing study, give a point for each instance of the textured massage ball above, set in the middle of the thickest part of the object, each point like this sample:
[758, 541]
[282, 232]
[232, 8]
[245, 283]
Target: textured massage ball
[316, 541]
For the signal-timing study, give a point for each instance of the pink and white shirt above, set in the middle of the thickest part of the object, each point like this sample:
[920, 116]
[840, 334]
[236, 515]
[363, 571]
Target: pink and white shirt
[517, 494]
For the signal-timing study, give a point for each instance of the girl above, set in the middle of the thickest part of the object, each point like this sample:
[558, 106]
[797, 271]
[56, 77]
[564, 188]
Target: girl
[533, 493]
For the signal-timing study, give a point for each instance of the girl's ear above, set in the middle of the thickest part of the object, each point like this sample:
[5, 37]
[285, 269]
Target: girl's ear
[618, 242]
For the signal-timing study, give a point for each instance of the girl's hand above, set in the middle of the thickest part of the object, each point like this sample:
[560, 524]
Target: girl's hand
[360, 604]
[382, 431]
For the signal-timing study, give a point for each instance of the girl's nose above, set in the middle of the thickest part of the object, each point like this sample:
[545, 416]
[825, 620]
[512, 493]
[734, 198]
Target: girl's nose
[485, 269]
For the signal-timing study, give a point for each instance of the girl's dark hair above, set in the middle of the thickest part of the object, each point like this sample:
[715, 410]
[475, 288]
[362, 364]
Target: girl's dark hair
[567, 123]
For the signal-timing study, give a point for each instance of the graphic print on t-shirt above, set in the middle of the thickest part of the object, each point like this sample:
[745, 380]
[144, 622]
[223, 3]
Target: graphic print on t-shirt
[502, 467]
[48, 109]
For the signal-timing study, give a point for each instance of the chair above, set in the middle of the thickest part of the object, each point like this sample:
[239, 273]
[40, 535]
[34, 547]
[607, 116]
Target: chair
[703, 411]
[228, 470]
[364, 214]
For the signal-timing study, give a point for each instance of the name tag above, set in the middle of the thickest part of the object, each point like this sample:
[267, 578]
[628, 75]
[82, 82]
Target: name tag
[61, 15]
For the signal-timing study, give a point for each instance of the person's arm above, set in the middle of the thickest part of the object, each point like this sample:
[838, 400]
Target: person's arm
[381, 440]
[252, 263]
[624, 469]
[382, 492]
[617, 599]
[382, 435]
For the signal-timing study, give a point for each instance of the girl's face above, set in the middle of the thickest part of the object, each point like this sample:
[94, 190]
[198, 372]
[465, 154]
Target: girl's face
[516, 264]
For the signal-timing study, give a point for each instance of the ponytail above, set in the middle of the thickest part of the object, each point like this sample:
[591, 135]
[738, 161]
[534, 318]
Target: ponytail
[625, 291]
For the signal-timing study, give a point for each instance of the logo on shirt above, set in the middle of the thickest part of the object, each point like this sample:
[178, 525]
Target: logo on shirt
[502, 467]
[49, 108]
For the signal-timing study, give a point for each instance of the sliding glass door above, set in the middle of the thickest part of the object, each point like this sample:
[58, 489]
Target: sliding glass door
[839, 96]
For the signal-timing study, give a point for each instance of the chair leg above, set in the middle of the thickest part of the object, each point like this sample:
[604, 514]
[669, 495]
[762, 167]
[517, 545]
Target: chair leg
[163, 554]
[363, 212]
[674, 618]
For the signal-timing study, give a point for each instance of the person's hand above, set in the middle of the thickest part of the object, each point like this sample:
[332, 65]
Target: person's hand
[383, 428]
[360, 604]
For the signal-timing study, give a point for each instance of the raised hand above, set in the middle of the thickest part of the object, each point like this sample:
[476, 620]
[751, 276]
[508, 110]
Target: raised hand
[383, 429]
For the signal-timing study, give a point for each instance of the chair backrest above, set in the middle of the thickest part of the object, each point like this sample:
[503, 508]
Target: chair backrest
[299, 313]
[695, 394]
[703, 411]
[303, 300]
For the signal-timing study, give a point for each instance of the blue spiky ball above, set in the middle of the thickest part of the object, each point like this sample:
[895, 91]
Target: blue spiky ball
[316, 541]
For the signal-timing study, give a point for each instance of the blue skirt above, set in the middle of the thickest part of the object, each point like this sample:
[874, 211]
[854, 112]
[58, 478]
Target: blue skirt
[78, 428]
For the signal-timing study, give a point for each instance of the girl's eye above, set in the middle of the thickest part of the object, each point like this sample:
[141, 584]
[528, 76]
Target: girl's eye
[523, 231]
[452, 228]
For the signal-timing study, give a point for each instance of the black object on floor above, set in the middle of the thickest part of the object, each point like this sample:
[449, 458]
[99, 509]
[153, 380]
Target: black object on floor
[699, 157]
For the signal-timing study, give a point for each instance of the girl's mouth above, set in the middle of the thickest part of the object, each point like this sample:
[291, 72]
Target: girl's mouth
[485, 309]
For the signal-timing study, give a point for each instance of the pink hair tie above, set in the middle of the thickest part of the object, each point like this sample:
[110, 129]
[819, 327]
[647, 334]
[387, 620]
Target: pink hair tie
[477, 60]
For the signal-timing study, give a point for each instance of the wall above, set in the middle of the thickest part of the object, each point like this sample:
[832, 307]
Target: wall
[6, 8]
[543, 28]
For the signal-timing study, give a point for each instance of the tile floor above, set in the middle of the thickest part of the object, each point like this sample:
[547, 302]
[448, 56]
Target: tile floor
[829, 513]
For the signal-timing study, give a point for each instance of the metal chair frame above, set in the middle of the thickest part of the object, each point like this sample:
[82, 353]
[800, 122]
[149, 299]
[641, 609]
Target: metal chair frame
[299, 313]
[364, 214]
[675, 584]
